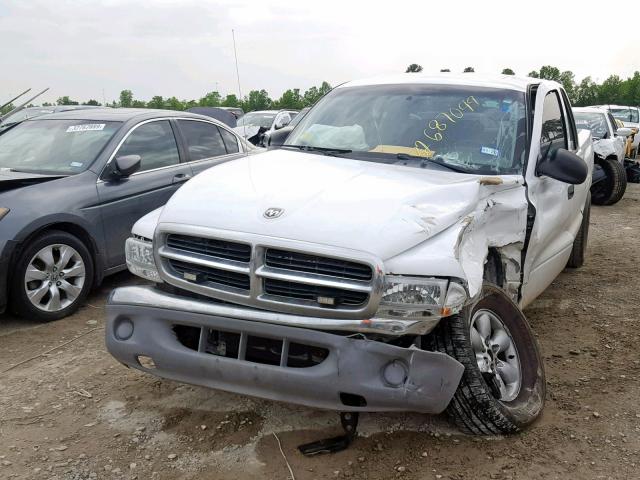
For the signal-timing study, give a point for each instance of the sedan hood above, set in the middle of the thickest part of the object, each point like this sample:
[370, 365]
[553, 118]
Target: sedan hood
[376, 208]
[11, 179]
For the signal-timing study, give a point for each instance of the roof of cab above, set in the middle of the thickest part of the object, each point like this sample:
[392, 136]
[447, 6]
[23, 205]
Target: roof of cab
[510, 82]
[118, 114]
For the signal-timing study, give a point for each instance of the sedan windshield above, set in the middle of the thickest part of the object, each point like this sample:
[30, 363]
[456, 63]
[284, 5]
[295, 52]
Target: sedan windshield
[256, 119]
[596, 122]
[61, 147]
[468, 129]
[626, 114]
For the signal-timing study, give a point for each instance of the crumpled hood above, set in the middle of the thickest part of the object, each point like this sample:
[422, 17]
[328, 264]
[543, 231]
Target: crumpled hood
[376, 208]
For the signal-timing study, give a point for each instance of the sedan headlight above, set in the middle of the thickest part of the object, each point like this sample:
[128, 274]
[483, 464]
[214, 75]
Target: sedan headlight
[413, 298]
[3, 212]
[139, 253]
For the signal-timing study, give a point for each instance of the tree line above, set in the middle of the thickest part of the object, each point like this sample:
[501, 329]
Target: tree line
[255, 100]
[612, 91]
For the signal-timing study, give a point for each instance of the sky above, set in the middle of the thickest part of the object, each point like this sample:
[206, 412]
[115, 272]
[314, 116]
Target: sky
[96, 48]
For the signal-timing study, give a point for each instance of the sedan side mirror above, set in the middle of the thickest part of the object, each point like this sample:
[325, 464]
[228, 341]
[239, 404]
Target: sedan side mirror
[564, 166]
[127, 165]
[623, 132]
[277, 138]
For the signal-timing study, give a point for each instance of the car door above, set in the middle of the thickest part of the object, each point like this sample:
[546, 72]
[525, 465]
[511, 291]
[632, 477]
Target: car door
[124, 201]
[207, 144]
[558, 206]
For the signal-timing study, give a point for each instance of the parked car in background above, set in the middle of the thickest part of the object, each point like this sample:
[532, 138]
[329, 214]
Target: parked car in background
[236, 111]
[33, 112]
[609, 181]
[254, 125]
[71, 186]
[628, 148]
[281, 135]
[379, 261]
[630, 116]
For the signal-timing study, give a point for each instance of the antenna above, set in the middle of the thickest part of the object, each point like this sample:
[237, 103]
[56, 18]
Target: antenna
[15, 98]
[23, 105]
[235, 52]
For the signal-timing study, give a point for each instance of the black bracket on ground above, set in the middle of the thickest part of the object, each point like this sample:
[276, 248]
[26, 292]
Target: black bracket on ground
[349, 421]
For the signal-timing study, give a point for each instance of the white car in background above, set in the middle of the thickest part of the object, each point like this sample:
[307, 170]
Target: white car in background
[609, 181]
[630, 117]
[253, 126]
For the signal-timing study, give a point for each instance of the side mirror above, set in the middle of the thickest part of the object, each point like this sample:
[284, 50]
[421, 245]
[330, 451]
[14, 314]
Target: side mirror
[277, 138]
[623, 132]
[279, 124]
[564, 166]
[126, 165]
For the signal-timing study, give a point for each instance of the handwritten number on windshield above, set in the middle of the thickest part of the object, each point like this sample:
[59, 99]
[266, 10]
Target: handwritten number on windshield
[435, 127]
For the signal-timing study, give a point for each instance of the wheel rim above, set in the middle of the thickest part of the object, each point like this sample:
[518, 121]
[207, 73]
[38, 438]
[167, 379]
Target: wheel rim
[54, 277]
[496, 355]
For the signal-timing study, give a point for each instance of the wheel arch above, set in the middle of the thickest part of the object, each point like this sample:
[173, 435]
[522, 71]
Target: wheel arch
[68, 225]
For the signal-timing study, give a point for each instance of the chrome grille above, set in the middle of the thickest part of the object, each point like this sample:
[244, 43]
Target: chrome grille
[303, 262]
[267, 273]
[240, 252]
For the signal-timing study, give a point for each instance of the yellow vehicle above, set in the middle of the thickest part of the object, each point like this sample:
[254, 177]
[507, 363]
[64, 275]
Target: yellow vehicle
[628, 149]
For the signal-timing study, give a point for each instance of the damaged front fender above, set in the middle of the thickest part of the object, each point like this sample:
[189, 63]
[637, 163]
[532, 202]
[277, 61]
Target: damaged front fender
[497, 222]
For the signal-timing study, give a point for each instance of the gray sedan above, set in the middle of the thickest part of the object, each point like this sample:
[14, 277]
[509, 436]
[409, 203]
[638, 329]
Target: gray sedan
[71, 186]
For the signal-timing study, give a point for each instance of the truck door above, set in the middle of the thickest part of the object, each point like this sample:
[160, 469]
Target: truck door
[557, 206]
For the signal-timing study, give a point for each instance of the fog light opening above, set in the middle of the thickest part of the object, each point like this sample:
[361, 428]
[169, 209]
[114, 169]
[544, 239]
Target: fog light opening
[146, 362]
[124, 329]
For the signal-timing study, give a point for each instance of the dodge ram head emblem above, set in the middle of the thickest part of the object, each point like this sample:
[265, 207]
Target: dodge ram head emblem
[273, 212]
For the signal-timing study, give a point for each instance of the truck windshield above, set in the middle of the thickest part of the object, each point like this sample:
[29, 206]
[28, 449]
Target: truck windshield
[256, 119]
[472, 129]
[62, 147]
[596, 122]
[625, 114]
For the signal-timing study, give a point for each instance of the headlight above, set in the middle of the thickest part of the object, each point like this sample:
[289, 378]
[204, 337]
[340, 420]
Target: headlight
[3, 212]
[140, 260]
[415, 298]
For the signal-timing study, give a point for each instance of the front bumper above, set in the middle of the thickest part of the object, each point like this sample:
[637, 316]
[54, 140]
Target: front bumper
[381, 377]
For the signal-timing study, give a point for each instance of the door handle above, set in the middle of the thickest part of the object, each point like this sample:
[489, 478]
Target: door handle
[180, 178]
[570, 191]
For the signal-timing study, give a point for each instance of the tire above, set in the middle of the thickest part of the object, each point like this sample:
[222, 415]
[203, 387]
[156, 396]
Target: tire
[479, 406]
[69, 266]
[579, 250]
[612, 188]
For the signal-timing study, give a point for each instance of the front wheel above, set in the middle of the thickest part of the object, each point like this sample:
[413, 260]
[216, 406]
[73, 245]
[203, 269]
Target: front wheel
[53, 276]
[503, 386]
[610, 190]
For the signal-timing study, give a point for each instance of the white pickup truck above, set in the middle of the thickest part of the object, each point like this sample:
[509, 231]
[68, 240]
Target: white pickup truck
[378, 261]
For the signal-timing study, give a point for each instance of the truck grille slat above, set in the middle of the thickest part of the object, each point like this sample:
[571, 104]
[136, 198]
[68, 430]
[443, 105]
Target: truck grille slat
[239, 252]
[302, 262]
[312, 292]
[213, 275]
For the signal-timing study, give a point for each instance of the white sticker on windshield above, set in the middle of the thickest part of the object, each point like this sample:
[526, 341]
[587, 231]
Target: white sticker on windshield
[490, 151]
[87, 127]
[76, 164]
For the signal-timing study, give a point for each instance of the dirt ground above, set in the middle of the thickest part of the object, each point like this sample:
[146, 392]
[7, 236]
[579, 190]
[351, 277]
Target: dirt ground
[75, 413]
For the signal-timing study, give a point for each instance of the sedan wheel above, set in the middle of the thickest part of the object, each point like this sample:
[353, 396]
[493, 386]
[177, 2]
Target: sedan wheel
[54, 277]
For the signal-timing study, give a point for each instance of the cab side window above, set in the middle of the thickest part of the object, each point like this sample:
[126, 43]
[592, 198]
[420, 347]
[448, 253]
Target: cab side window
[203, 139]
[155, 143]
[554, 132]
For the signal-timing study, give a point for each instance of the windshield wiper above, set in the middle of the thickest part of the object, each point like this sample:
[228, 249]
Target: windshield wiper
[323, 150]
[435, 160]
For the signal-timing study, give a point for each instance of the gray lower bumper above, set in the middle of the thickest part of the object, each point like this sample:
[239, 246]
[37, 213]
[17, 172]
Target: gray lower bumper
[354, 366]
